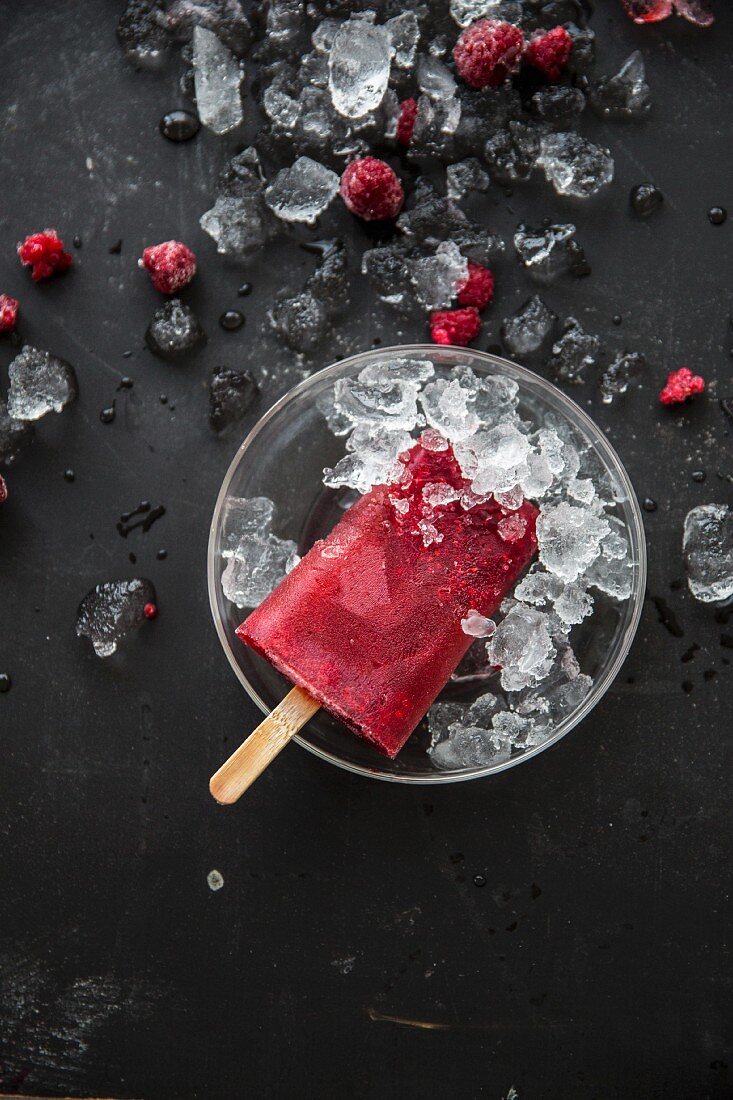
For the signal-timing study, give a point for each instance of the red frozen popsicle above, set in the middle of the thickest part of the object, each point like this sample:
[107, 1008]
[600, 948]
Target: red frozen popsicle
[369, 622]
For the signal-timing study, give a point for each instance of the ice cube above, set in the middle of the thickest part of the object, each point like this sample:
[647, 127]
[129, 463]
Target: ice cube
[484, 709]
[435, 125]
[217, 78]
[435, 79]
[529, 331]
[511, 154]
[111, 610]
[232, 394]
[414, 371]
[511, 528]
[558, 105]
[15, 436]
[515, 731]
[358, 67]
[437, 494]
[612, 575]
[141, 31]
[569, 538]
[404, 35]
[522, 647]
[256, 560]
[469, 747]
[239, 220]
[387, 270]
[448, 408]
[441, 717]
[539, 589]
[574, 602]
[550, 252]
[465, 176]
[465, 12]
[371, 459]
[329, 283]
[174, 329]
[574, 352]
[620, 373]
[302, 192]
[477, 625]
[625, 95]
[707, 548]
[40, 383]
[301, 320]
[574, 165]
[437, 278]
[388, 401]
[500, 455]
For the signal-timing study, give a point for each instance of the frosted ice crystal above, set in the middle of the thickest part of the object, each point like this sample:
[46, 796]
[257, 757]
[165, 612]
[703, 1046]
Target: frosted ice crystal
[217, 78]
[707, 547]
[302, 192]
[358, 67]
[256, 559]
[40, 383]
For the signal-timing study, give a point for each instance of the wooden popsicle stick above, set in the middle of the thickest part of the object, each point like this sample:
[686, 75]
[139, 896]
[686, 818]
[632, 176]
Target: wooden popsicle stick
[249, 761]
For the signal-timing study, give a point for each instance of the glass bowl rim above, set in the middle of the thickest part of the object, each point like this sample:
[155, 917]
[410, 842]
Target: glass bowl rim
[636, 527]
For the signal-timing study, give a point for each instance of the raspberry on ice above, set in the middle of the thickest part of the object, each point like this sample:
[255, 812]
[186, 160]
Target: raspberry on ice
[455, 326]
[406, 121]
[488, 53]
[44, 254]
[171, 264]
[3, 489]
[680, 385]
[8, 313]
[550, 52]
[478, 289]
[371, 190]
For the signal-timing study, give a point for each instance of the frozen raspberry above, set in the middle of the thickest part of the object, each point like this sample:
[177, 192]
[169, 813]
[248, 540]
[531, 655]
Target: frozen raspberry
[3, 489]
[150, 611]
[488, 52]
[371, 190]
[171, 265]
[478, 289]
[44, 254]
[681, 384]
[455, 326]
[406, 121]
[550, 52]
[8, 313]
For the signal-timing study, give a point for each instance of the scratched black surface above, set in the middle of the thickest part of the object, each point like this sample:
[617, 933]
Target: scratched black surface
[349, 951]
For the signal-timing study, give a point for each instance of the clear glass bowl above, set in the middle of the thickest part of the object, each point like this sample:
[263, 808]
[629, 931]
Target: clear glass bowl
[283, 458]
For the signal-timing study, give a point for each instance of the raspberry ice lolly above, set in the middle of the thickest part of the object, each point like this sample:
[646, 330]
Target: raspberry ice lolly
[369, 622]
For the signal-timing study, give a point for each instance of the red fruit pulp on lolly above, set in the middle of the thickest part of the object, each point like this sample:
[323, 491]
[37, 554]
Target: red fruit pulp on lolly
[171, 264]
[478, 289]
[44, 254]
[550, 52]
[488, 53]
[455, 326]
[371, 190]
[406, 121]
[680, 385]
[369, 622]
[8, 313]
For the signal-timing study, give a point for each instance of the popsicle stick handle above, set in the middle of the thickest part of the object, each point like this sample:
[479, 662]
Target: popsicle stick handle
[249, 761]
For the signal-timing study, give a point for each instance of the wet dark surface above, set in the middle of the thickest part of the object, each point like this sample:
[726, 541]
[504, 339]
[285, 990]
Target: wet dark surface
[563, 928]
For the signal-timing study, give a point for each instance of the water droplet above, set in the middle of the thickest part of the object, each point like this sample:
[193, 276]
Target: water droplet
[69, 475]
[125, 383]
[617, 319]
[115, 248]
[162, 555]
[231, 320]
[107, 415]
[649, 505]
[698, 475]
[179, 125]
[717, 215]
[245, 290]
[479, 880]
[77, 242]
[5, 682]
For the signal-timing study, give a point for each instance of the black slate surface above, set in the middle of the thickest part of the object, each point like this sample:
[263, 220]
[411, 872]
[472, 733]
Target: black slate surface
[350, 951]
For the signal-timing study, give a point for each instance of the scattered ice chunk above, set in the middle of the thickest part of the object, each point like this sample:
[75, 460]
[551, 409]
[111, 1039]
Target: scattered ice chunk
[574, 603]
[239, 221]
[512, 499]
[302, 192]
[430, 533]
[437, 494]
[707, 547]
[550, 252]
[612, 575]
[40, 383]
[387, 270]
[432, 440]
[441, 716]
[358, 67]
[477, 625]
[174, 329]
[522, 647]
[465, 176]
[616, 378]
[528, 332]
[558, 105]
[449, 408]
[301, 320]
[111, 610]
[435, 125]
[512, 528]
[215, 880]
[435, 79]
[625, 95]
[371, 458]
[329, 283]
[515, 730]
[338, 423]
[414, 371]
[217, 78]
[574, 165]
[15, 436]
[404, 35]
[484, 709]
[511, 154]
[539, 589]
[496, 458]
[574, 352]
[232, 393]
[569, 538]
[469, 747]
[437, 278]
[388, 401]
[465, 12]
[256, 560]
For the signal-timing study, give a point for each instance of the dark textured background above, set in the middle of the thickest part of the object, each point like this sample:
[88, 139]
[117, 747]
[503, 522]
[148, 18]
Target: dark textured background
[349, 952]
